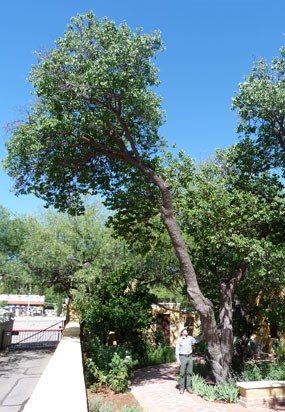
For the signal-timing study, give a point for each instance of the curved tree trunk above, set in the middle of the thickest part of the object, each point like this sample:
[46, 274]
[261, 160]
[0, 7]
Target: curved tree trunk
[203, 305]
[220, 343]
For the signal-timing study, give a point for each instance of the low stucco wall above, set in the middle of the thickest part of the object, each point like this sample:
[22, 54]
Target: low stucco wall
[262, 393]
[61, 386]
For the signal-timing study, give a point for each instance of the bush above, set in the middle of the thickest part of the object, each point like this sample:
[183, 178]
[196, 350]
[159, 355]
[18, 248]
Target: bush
[279, 349]
[200, 387]
[225, 391]
[228, 391]
[161, 354]
[265, 370]
[101, 406]
[120, 373]
[251, 373]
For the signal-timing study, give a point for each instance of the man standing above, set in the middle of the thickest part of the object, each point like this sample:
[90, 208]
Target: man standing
[183, 355]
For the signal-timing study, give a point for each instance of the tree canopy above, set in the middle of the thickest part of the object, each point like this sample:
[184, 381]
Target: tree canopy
[94, 106]
[260, 103]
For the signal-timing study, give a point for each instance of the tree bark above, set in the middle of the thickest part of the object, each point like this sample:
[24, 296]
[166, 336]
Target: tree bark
[203, 305]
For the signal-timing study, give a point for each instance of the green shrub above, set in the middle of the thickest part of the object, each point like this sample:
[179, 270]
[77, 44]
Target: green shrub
[225, 391]
[130, 409]
[161, 354]
[251, 373]
[101, 406]
[94, 376]
[279, 349]
[263, 371]
[200, 387]
[120, 373]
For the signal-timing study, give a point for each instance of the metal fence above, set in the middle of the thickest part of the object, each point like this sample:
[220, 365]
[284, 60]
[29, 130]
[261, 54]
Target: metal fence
[33, 339]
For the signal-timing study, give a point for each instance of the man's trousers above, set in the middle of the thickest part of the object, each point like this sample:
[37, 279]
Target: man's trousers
[185, 371]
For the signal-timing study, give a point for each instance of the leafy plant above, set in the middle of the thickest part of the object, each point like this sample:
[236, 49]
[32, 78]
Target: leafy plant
[101, 406]
[251, 373]
[161, 354]
[279, 350]
[94, 375]
[226, 391]
[264, 370]
[120, 372]
[202, 389]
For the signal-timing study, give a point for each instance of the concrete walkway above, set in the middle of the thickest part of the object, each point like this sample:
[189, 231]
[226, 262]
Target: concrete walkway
[155, 388]
[19, 373]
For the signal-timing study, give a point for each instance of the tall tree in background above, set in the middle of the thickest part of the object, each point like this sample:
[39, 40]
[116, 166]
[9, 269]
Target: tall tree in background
[260, 103]
[14, 275]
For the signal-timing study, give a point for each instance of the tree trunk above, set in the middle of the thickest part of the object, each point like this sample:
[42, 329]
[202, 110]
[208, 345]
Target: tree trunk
[220, 343]
[203, 305]
[226, 322]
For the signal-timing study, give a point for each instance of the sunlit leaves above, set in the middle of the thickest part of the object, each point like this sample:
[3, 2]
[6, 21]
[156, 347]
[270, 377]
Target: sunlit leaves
[260, 103]
[94, 107]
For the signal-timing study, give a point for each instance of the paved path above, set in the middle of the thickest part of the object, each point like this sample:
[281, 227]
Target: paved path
[155, 388]
[19, 373]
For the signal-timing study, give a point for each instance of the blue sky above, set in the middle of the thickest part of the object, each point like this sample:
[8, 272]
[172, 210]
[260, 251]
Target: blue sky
[210, 46]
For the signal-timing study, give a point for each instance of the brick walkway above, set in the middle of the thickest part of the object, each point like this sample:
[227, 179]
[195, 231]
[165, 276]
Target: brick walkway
[155, 388]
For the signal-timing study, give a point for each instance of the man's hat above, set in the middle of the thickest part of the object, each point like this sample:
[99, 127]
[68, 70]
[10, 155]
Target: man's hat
[184, 328]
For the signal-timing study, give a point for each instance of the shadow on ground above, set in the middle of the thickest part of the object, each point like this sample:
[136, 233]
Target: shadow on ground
[151, 374]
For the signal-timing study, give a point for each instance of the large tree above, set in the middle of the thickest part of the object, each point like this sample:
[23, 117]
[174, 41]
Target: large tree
[260, 104]
[14, 275]
[232, 221]
[93, 126]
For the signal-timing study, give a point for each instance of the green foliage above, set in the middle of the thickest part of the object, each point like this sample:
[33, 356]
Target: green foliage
[94, 376]
[201, 369]
[260, 105]
[116, 304]
[264, 370]
[251, 373]
[120, 373]
[279, 350]
[225, 391]
[158, 355]
[113, 307]
[96, 105]
[116, 374]
[3, 303]
[93, 126]
[15, 276]
[200, 387]
[101, 406]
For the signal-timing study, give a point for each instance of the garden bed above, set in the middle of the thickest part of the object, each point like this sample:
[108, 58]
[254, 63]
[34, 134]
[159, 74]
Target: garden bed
[115, 400]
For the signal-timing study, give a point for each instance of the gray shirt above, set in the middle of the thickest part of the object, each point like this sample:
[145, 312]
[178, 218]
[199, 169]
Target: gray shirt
[184, 346]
